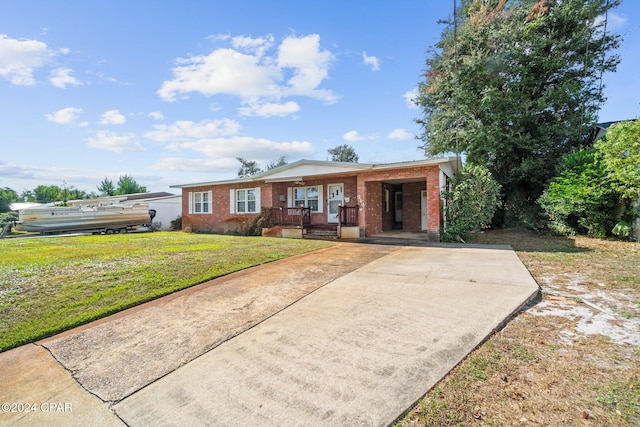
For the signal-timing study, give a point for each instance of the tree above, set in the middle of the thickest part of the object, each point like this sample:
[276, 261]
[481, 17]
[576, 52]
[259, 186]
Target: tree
[247, 167]
[106, 187]
[7, 196]
[128, 185]
[250, 167]
[514, 85]
[471, 202]
[620, 152]
[47, 193]
[280, 162]
[343, 153]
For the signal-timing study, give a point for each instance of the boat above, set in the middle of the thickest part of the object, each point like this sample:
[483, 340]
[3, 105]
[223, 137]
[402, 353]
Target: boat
[112, 218]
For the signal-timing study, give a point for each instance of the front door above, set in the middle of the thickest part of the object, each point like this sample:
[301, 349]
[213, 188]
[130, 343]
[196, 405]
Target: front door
[335, 198]
[398, 204]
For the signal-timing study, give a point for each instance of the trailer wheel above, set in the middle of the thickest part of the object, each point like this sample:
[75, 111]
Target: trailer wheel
[109, 231]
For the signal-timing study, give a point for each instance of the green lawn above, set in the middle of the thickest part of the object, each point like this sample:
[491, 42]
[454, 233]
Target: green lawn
[48, 285]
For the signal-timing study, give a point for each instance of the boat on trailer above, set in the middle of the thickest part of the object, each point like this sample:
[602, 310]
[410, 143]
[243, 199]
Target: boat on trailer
[97, 218]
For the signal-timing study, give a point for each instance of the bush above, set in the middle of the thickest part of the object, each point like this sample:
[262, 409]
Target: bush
[471, 203]
[176, 224]
[583, 198]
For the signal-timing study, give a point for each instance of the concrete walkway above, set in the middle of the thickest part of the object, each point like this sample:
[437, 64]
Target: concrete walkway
[350, 335]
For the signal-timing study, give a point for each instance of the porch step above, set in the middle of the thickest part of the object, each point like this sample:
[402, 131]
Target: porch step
[322, 231]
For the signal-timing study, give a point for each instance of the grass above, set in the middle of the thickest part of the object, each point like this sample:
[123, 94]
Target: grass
[48, 285]
[543, 369]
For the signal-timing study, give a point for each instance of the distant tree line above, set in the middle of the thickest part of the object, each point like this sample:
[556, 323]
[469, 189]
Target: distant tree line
[54, 193]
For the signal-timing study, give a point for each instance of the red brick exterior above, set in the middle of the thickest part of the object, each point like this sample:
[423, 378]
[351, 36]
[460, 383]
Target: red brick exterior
[365, 189]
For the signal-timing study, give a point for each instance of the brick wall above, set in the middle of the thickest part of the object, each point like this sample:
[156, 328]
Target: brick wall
[412, 209]
[365, 190]
[411, 198]
[220, 220]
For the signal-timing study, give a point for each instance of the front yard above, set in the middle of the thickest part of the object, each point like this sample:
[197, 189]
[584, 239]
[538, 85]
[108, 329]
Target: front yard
[48, 285]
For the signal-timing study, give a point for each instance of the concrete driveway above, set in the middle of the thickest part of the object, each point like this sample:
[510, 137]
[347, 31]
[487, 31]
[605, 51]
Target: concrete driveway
[350, 335]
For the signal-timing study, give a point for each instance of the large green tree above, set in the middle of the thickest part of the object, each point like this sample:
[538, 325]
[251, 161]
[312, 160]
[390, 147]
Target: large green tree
[343, 153]
[514, 85]
[128, 185]
[247, 167]
[250, 167]
[47, 193]
[106, 187]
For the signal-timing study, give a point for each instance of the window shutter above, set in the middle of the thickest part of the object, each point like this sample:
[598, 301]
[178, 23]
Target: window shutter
[320, 199]
[289, 197]
[210, 201]
[190, 202]
[258, 205]
[232, 201]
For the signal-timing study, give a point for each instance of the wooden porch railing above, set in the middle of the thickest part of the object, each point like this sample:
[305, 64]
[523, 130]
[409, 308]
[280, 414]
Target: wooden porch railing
[348, 215]
[290, 216]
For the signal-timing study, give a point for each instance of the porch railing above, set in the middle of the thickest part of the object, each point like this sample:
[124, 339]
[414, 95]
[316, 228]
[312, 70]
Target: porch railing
[290, 216]
[348, 215]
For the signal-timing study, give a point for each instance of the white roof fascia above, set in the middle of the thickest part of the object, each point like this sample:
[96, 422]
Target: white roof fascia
[210, 183]
[414, 163]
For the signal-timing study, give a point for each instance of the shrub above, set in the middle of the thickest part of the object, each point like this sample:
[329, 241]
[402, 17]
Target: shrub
[471, 202]
[176, 224]
[583, 198]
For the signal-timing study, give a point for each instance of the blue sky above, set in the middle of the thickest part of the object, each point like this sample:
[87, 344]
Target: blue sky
[171, 92]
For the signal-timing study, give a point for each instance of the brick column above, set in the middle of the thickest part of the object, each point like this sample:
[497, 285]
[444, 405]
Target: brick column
[433, 203]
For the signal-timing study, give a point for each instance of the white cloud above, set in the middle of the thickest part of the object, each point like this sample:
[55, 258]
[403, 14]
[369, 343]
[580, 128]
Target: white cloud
[410, 96]
[258, 45]
[372, 61]
[118, 143]
[156, 115]
[270, 109]
[246, 71]
[223, 71]
[401, 134]
[16, 171]
[195, 165]
[353, 136]
[186, 130]
[19, 59]
[65, 116]
[30, 176]
[258, 149]
[112, 117]
[61, 77]
[614, 21]
[310, 66]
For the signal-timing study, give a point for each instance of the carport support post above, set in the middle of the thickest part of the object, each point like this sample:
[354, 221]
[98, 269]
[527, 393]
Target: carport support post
[433, 204]
[362, 202]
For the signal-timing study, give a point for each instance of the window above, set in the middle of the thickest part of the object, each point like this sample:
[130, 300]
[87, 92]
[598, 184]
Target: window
[200, 202]
[307, 197]
[243, 201]
[246, 201]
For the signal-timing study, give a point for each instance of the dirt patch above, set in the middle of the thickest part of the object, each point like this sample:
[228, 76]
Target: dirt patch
[573, 358]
